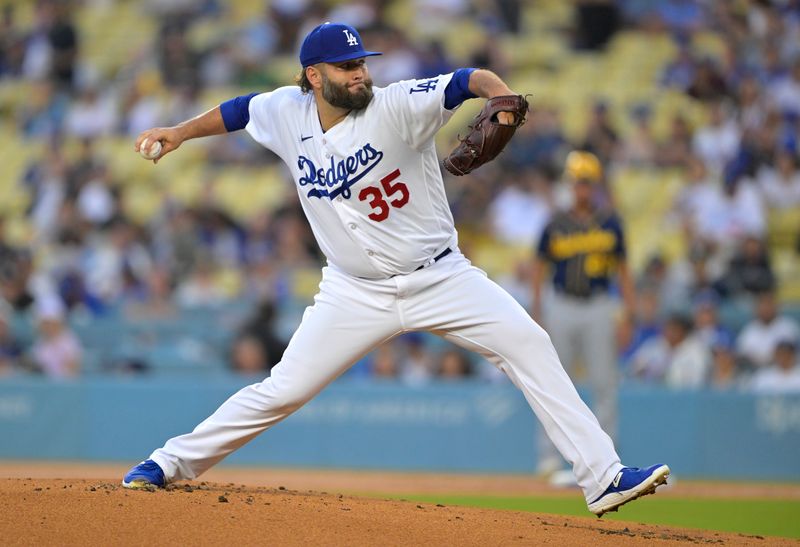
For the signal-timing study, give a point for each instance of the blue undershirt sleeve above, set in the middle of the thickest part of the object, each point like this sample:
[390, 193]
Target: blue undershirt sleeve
[457, 90]
[236, 112]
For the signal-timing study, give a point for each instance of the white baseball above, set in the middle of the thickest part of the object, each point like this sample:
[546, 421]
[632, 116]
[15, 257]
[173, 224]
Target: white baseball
[150, 151]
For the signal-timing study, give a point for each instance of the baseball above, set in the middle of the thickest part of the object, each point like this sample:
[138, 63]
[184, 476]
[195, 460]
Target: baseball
[150, 151]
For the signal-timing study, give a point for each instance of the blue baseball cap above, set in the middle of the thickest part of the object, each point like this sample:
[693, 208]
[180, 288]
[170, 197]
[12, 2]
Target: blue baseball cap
[332, 43]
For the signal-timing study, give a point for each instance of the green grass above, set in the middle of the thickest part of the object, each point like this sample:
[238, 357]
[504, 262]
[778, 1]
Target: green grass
[747, 516]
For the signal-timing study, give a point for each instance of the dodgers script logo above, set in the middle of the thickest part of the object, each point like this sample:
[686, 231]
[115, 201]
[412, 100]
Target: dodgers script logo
[345, 173]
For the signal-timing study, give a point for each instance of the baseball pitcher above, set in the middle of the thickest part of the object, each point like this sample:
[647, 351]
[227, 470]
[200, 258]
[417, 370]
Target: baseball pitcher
[365, 167]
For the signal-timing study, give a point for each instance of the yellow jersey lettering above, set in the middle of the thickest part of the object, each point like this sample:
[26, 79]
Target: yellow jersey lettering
[563, 246]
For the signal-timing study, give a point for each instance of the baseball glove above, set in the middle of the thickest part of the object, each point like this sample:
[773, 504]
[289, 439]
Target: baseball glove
[487, 136]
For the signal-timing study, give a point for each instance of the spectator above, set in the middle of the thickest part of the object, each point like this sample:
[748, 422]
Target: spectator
[697, 200]
[668, 289]
[596, 23]
[142, 108]
[751, 104]
[399, 61]
[184, 98]
[749, 271]
[358, 13]
[677, 358]
[176, 242]
[521, 210]
[38, 60]
[758, 339]
[540, 143]
[453, 365]
[646, 327]
[601, 137]
[706, 320]
[93, 114]
[202, 287]
[16, 267]
[772, 67]
[179, 63]
[116, 264]
[156, 301]
[257, 40]
[690, 363]
[221, 236]
[725, 372]
[707, 84]
[260, 330]
[56, 351]
[679, 73]
[677, 147]
[12, 43]
[42, 115]
[433, 59]
[691, 276]
[96, 198]
[717, 142]
[785, 92]
[780, 185]
[384, 362]
[732, 212]
[218, 67]
[783, 376]
[681, 16]
[289, 16]
[416, 366]
[639, 147]
[430, 16]
[83, 167]
[63, 38]
[510, 13]
[247, 357]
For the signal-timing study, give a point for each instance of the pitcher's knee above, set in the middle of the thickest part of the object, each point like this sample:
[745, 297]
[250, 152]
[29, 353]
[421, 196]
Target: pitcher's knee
[527, 335]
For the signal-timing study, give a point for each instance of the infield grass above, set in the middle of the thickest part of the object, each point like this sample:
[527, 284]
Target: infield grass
[747, 516]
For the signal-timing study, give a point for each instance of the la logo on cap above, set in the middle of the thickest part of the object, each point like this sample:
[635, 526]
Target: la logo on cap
[351, 40]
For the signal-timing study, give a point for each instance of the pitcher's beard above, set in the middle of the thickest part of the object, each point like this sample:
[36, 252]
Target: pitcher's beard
[340, 96]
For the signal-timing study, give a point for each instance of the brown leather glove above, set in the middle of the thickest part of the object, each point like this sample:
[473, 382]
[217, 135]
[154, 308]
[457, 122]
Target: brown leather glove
[487, 136]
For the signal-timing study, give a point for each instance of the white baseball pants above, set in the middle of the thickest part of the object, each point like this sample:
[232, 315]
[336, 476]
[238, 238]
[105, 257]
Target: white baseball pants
[352, 316]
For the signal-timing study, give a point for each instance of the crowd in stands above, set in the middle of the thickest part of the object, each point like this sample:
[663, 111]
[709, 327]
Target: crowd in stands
[87, 258]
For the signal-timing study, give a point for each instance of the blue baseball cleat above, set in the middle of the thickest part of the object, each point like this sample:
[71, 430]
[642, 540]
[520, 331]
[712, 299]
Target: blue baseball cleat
[629, 484]
[145, 476]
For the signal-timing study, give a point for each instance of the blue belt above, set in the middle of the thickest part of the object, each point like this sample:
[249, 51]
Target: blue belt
[437, 258]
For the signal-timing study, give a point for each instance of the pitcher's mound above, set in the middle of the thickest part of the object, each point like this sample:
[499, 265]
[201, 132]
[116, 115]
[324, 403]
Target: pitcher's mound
[91, 512]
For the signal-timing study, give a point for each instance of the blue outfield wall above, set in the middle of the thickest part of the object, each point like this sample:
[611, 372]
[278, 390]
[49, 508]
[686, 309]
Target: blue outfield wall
[448, 427]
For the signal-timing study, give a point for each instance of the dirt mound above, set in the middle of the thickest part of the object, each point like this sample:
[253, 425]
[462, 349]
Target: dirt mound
[96, 512]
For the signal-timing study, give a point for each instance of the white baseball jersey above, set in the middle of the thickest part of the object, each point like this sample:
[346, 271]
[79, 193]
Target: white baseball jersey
[376, 206]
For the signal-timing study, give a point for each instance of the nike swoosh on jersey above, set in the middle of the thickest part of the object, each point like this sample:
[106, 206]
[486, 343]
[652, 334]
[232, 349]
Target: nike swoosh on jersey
[304, 139]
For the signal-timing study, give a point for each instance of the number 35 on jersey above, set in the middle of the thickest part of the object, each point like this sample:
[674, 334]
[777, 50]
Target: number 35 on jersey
[392, 193]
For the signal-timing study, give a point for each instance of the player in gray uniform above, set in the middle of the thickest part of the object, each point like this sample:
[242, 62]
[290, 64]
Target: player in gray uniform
[365, 167]
[585, 247]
